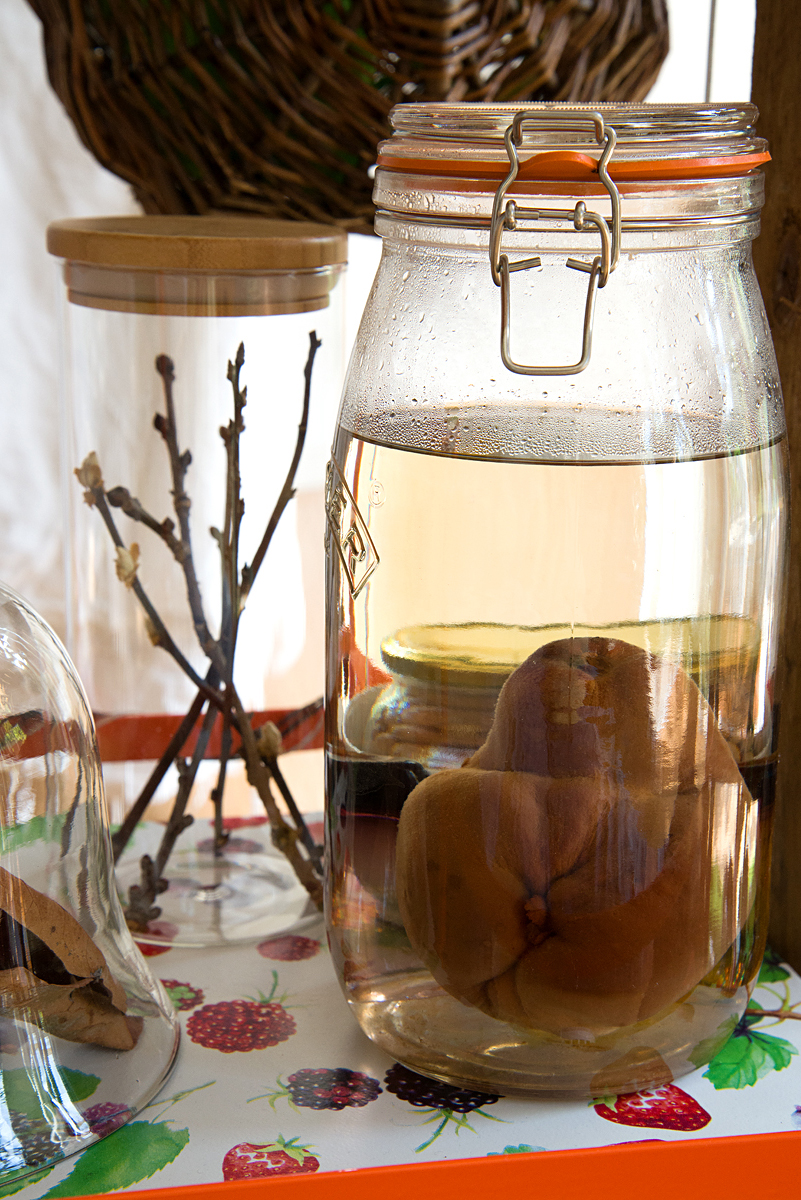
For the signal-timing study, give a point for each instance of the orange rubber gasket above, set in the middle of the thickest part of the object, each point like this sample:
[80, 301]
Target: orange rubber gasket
[573, 166]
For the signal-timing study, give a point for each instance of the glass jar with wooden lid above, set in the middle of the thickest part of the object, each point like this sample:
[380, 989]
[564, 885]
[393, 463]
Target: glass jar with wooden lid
[156, 311]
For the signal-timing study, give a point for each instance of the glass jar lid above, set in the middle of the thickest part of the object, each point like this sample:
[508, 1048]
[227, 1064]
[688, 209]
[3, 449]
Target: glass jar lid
[673, 141]
[670, 161]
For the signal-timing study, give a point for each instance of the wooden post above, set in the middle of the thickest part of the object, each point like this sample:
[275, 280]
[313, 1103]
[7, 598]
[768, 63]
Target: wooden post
[777, 253]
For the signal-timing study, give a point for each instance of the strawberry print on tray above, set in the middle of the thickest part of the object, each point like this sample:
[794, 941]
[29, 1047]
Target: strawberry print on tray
[666, 1107]
[249, 1161]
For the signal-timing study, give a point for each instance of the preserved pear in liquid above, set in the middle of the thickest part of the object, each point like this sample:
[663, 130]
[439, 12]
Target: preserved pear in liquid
[551, 758]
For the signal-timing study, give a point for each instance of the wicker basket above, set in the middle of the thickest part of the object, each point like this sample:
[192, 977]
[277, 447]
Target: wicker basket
[276, 106]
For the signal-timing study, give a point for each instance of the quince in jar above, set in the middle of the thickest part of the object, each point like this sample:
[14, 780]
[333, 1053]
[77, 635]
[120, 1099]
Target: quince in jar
[588, 865]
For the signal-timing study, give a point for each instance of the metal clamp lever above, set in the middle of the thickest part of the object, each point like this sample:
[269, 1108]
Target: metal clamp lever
[599, 269]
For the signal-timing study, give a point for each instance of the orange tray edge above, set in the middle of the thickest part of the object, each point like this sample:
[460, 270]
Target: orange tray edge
[767, 1164]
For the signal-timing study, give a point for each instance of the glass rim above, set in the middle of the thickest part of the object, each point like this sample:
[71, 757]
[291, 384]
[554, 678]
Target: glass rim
[636, 125]
[649, 142]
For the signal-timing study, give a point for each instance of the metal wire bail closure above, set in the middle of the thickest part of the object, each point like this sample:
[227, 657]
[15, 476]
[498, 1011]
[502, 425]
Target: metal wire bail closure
[599, 269]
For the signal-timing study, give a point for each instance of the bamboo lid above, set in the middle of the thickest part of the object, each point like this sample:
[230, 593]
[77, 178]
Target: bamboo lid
[197, 243]
[198, 266]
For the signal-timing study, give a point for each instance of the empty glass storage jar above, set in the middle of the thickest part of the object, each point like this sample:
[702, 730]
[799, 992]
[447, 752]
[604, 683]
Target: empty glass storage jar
[556, 538]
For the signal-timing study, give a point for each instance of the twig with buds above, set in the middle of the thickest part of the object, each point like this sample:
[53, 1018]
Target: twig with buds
[217, 692]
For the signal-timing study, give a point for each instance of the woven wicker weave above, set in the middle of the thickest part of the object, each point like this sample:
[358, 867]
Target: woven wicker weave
[276, 106]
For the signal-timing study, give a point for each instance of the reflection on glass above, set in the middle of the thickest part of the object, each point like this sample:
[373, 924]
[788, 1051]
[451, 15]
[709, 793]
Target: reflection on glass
[80, 1014]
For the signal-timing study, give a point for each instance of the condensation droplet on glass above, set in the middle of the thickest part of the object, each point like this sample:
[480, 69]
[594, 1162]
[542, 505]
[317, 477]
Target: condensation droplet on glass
[404, 276]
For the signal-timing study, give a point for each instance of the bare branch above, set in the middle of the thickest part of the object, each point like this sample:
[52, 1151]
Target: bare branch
[123, 835]
[314, 851]
[120, 497]
[249, 573]
[284, 837]
[228, 540]
[179, 464]
[141, 896]
[161, 636]
[220, 838]
[781, 1014]
[141, 910]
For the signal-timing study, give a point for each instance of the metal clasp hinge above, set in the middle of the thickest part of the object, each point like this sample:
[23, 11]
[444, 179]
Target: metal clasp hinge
[507, 217]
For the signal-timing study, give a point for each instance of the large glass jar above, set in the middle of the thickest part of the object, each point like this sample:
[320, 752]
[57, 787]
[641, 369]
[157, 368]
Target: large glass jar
[556, 538]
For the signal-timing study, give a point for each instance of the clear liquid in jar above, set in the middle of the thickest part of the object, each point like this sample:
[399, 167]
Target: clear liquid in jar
[476, 565]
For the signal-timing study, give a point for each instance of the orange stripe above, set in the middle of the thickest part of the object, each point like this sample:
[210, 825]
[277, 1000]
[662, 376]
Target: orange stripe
[145, 735]
[569, 165]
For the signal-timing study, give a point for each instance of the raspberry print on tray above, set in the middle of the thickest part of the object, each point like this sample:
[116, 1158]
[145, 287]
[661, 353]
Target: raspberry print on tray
[160, 929]
[105, 1118]
[238, 1026]
[325, 1088]
[289, 947]
[442, 1100]
[184, 997]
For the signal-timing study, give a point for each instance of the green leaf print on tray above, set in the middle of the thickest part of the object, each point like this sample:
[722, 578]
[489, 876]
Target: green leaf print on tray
[772, 970]
[748, 1055]
[21, 1097]
[24, 1107]
[707, 1050]
[21, 1179]
[523, 1148]
[133, 1152]
[125, 1157]
[42, 828]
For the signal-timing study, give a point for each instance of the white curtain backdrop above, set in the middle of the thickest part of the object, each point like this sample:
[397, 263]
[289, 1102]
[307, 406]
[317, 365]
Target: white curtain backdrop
[45, 174]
